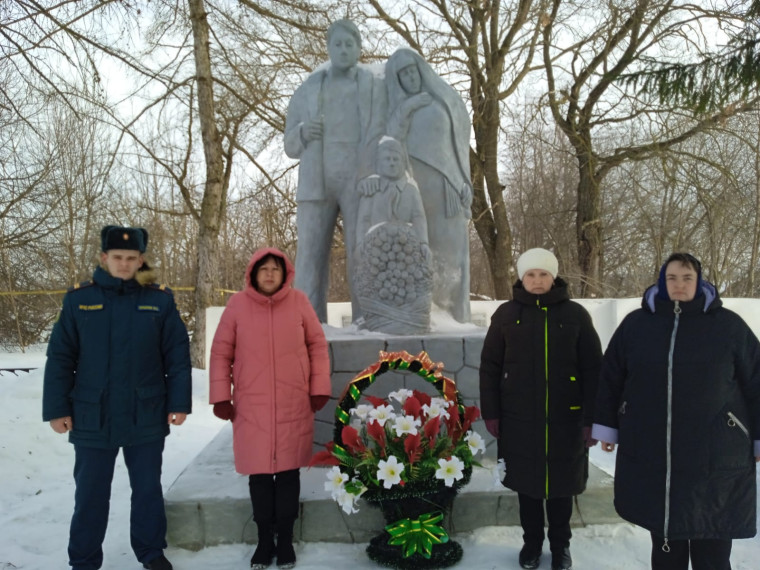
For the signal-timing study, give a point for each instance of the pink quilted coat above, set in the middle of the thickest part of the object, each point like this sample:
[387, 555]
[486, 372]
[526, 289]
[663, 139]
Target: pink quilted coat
[268, 356]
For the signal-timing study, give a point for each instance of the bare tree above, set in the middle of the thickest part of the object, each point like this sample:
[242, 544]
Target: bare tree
[216, 184]
[582, 66]
[540, 178]
[489, 48]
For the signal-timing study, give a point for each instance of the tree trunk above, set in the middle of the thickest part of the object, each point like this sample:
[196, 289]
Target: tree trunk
[755, 251]
[589, 228]
[214, 193]
[491, 222]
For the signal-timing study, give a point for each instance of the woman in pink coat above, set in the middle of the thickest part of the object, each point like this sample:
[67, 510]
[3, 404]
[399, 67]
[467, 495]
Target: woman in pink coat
[269, 373]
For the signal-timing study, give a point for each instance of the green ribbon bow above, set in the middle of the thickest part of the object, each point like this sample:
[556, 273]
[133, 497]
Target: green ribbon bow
[418, 535]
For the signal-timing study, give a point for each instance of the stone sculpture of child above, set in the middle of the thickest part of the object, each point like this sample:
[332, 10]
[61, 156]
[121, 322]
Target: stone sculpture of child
[394, 278]
[397, 198]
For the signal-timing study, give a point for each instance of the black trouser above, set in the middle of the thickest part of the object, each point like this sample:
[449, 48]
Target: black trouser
[275, 500]
[93, 473]
[707, 554]
[558, 512]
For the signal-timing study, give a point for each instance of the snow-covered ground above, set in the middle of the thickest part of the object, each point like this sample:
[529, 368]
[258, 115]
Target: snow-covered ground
[36, 501]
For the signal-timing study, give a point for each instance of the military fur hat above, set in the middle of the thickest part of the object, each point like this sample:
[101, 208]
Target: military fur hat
[117, 237]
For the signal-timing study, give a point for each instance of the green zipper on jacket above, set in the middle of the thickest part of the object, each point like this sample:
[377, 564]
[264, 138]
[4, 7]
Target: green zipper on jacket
[546, 400]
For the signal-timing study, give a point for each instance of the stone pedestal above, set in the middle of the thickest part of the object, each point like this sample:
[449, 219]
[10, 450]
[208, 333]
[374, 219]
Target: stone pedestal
[208, 504]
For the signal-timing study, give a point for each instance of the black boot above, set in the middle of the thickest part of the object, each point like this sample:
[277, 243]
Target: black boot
[530, 556]
[286, 554]
[561, 559]
[261, 488]
[265, 549]
[160, 563]
[287, 504]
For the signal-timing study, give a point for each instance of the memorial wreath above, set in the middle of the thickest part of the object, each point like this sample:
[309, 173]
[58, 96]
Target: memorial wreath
[409, 455]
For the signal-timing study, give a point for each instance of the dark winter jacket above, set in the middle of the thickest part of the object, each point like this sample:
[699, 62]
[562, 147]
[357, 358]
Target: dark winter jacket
[681, 385]
[538, 376]
[118, 362]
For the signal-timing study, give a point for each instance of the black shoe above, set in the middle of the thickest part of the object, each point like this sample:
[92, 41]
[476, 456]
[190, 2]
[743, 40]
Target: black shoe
[530, 556]
[561, 559]
[286, 554]
[160, 563]
[264, 553]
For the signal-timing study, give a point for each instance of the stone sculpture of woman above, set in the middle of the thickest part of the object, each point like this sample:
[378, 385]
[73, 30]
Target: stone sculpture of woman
[430, 118]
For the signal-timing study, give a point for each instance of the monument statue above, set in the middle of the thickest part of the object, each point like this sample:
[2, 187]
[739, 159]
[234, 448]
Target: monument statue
[334, 121]
[394, 278]
[430, 118]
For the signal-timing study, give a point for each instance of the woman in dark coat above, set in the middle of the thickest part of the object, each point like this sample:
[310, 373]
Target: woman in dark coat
[538, 375]
[680, 393]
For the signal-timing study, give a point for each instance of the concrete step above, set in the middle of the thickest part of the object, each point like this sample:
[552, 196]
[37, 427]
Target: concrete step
[209, 504]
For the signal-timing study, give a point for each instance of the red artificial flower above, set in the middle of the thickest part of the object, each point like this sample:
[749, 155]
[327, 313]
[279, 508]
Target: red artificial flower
[432, 428]
[323, 458]
[412, 407]
[375, 401]
[452, 423]
[352, 441]
[471, 413]
[412, 446]
[422, 398]
[377, 432]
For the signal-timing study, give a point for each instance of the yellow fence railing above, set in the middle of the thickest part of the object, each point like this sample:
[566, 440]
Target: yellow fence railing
[62, 291]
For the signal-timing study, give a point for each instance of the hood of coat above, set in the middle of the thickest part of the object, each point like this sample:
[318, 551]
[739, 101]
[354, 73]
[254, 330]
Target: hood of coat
[556, 294]
[706, 300]
[290, 273]
[146, 275]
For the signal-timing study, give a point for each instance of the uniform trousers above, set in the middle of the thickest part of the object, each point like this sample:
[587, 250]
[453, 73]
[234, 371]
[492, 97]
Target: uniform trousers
[93, 473]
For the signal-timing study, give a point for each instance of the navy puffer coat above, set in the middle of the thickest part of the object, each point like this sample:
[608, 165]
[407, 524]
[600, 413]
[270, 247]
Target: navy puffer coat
[538, 375]
[118, 363]
[681, 384]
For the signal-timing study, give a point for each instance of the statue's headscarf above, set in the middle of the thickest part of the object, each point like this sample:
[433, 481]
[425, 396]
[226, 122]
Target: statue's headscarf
[446, 96]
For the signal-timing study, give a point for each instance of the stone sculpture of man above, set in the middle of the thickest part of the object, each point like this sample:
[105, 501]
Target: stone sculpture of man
[334, 121]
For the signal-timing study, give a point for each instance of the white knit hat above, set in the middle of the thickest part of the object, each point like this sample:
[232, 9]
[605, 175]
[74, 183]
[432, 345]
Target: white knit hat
[537, 258]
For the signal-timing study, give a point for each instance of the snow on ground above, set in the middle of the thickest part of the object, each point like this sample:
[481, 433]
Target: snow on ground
[36, 501]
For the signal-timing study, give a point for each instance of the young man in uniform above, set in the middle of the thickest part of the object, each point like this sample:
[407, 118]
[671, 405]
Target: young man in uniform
[118, 373]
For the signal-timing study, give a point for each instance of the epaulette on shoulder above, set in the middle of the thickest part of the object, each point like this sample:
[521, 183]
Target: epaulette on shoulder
[81, 285]
[161, 287]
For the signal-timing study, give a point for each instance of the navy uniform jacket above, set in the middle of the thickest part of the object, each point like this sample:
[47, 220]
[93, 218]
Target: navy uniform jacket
[118, 362]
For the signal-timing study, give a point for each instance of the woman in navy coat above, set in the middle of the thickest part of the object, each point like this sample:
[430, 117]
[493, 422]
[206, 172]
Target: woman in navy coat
[680, 394]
